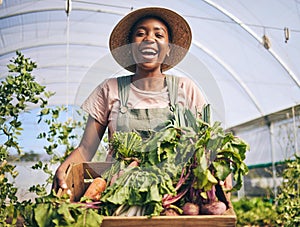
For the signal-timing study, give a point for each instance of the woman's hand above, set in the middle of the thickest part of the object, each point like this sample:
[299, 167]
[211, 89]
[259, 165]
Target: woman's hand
[59, 184]
[86, 150]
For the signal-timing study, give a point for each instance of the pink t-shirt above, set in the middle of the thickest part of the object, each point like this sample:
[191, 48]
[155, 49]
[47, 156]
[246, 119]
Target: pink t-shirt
[103, 103]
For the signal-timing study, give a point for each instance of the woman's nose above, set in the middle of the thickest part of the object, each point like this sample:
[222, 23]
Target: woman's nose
[149, 38]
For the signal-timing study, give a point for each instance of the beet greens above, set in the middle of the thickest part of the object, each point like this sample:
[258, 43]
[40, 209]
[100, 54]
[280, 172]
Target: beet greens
[177, 164]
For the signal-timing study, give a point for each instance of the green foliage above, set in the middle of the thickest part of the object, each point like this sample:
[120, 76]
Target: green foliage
[138, 186]
[226, 154]
[51, 210]
[188, 158]
[284, 212]
[60, 139]
[288, 198]
[128, 145]
[18, 92]
[255, 212]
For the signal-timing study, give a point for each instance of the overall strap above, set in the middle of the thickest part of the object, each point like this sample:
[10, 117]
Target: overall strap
[172, 83]
[123, 89]
[178, 111]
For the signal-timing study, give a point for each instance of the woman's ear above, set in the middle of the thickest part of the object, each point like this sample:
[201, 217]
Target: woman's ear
[169, 50]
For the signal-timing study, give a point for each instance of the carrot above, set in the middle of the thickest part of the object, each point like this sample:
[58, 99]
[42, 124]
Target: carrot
[95, 189]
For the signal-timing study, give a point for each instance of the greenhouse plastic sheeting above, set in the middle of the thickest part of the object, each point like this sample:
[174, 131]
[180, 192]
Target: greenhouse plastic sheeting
[243, 77]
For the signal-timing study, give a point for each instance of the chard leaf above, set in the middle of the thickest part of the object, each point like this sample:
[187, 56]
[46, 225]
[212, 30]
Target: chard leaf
[140, 186]
[161, 147]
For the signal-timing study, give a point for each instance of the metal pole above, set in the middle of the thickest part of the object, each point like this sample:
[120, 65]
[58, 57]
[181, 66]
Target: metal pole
[295, 132]
[68, 11]
[271, 130]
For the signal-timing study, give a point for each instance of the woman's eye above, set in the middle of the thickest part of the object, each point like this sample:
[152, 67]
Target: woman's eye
[139, 34]
[159, 35]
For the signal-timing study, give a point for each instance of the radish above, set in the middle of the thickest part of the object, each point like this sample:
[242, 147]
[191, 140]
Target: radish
[190, 209]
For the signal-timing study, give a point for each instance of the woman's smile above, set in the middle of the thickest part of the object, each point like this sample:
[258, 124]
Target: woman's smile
[149, 53]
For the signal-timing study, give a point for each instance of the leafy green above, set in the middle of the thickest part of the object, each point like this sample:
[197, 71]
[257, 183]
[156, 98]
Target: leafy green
[127, 145]
[53, 211]
[140, 186]
[219, 154]
[195, 156]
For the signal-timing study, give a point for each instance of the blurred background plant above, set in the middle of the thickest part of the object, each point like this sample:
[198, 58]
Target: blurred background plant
[283, 210]
[18, 92]
[288, 199]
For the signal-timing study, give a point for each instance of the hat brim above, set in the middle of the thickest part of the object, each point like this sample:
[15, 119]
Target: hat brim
[119, 43]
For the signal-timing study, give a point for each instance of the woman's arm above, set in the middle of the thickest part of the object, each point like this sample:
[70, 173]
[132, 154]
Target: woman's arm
[86, 150]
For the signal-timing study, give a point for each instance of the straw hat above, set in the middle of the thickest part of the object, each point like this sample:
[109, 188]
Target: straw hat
[181, 36]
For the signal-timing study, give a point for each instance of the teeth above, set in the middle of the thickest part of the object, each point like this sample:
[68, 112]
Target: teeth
[148, 51]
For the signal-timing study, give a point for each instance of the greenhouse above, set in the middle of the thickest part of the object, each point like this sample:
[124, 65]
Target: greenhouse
[244, 57]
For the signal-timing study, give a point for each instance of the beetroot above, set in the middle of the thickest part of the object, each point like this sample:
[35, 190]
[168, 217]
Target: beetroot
[190, 209]
[216, 208]
[170, 212]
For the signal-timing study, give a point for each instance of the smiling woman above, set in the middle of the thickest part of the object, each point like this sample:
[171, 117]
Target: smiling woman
[146, 42]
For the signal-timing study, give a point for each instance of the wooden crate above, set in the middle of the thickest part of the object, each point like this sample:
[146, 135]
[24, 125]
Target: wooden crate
[77, 180]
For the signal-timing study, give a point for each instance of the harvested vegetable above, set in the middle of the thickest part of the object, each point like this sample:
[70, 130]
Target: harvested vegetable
[95, 189]
[214, 208]
[177, 165]
[190, 208]
[169, 212]
[138, 187]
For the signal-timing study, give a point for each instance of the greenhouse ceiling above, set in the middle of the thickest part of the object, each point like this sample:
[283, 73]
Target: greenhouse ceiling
[245, 55]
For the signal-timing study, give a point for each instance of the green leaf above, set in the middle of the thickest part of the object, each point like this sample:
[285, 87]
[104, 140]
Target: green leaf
[222, 170]
[126, 145]
[43, 214]
[88, 218]
[64, 212]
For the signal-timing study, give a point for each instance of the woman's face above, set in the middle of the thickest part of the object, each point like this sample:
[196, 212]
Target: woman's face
[150, 43]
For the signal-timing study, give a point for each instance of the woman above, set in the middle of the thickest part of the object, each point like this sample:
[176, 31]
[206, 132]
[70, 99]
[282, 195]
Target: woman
[146, 42]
